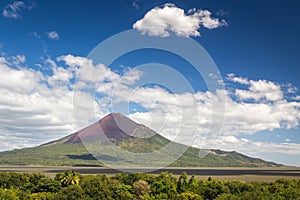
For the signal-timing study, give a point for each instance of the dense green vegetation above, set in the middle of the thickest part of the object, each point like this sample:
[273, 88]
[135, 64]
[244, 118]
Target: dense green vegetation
[71, 185]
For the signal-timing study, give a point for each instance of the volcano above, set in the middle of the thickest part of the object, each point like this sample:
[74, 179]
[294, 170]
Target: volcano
[115, 126]
[126, 134]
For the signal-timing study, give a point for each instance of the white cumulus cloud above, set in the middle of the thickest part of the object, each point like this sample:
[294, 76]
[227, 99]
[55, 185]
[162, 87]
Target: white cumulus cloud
[297, 98]
[258, 89]
[236, 79]
[160, 21]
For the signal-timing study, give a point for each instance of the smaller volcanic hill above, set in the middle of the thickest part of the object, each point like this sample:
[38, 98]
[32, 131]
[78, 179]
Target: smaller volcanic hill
[120, 132]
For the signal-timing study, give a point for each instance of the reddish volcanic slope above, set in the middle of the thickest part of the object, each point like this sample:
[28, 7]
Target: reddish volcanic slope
[115, 127]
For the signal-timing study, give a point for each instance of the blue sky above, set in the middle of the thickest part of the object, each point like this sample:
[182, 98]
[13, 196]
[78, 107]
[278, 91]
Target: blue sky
[254, 44]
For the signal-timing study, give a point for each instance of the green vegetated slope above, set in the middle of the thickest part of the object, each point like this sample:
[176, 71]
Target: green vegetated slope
[58, 153]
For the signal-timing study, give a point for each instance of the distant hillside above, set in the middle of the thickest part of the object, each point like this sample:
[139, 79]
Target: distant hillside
[126, 134]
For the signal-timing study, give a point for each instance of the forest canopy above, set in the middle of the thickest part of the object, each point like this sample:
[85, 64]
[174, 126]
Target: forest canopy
[72, 185]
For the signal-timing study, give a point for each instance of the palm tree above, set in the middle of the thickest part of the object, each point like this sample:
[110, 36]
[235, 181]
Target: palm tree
[68, 178]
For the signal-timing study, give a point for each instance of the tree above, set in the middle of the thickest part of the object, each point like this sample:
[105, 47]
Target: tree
[97, 187]
[34, 179]
[226, 196]
[16, 180]
[121, 191]
[8, 194]
[68, 178]
[71, 192]
[211, 188]
[193, 185]
[141, 188]
[237, 187]
[42, 196]
[47, 185]
[188, 196]
[165, 186]
[182, 183]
